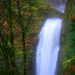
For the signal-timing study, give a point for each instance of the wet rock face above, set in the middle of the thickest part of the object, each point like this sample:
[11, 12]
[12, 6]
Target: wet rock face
[56, 3]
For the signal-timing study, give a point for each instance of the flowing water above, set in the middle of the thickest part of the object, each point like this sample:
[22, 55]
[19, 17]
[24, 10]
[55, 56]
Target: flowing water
[49, 43]
[48, 47]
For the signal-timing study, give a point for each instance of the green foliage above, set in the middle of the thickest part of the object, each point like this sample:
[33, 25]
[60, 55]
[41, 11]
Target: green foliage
[71, 38]
[69, 53]
[68, 62]
[73, 10]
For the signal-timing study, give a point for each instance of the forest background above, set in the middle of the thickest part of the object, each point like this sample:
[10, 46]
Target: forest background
[20, 24]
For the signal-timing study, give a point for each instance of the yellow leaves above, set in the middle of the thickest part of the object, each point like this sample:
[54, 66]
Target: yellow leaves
[52, 6]
[42, 5]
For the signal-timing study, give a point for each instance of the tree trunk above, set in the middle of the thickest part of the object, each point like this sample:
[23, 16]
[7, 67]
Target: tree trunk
[23, 36]
[12, 54]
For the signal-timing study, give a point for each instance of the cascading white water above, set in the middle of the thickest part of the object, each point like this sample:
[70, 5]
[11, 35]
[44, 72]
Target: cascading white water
[48, 47]
[49, 43]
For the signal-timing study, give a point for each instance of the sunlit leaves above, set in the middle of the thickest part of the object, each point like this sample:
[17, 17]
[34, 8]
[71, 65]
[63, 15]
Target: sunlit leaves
[42, 5]
[68, 61]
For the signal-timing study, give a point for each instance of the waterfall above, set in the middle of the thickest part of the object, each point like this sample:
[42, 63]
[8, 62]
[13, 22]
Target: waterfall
[48, 47]
[49, 43]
